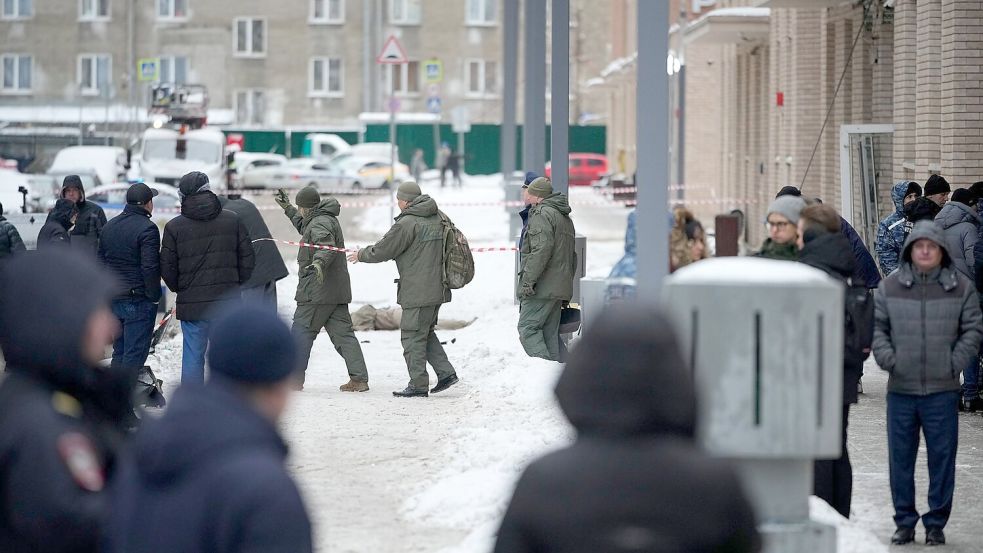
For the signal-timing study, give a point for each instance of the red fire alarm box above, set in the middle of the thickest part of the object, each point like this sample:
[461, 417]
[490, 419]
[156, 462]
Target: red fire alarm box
[780, 99]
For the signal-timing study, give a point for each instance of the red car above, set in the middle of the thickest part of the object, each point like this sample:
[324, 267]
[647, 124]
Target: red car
[584, 168]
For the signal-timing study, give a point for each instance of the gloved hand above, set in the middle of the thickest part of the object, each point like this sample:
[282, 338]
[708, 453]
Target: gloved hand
[526, 291]
[318, 267]
[282, 199]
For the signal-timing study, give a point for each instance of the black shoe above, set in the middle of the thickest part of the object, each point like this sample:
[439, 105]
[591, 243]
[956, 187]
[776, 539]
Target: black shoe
[934, 536]
[903, 535]
[411, 392]
[444, 383]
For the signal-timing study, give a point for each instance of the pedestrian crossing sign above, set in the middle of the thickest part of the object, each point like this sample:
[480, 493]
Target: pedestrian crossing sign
[433, 71]
[148, 69]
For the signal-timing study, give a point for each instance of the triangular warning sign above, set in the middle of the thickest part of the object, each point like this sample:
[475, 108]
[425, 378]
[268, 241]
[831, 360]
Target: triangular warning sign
[392, 52]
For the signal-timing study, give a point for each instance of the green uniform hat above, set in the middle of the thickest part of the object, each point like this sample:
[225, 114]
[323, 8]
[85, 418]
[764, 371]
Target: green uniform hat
[308, 197]
[408, 191]
[541, 187]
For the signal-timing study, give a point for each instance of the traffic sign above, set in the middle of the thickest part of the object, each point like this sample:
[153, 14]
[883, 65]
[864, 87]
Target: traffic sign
[433, 104]
[433, 90]
[461, 119]
[433, 70]
[392, 52]
[148, 69]
[393, 104]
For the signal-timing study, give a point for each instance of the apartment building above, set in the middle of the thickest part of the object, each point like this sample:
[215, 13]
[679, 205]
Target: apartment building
[840, 98]
[294, 62]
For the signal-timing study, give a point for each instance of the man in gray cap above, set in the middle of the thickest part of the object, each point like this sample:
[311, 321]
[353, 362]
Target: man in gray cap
[324, 289]
[546, 268]
[416, 243]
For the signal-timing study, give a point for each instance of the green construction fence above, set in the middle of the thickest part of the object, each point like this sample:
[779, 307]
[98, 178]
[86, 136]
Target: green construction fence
[482, 145]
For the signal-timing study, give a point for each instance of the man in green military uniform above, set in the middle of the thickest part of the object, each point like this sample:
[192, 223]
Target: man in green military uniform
[416, 243]
[546, 268]
[324, 290]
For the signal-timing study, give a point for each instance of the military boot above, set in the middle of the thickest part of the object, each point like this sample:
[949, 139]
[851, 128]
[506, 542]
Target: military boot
[355, 386]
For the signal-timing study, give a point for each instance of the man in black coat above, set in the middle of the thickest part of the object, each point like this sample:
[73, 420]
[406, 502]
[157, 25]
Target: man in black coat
[60, 415]
[10, 241]
[270, 267]
[205, 257]
[56, 230]
[209, 475]
[91, 217]
[825, 248]
[635, 480]
[130, 248]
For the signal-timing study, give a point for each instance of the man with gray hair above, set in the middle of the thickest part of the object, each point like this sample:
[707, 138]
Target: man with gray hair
[205, 256]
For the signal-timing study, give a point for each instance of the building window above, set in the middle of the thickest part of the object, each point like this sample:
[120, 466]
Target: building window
[250, 107]
[174, 69]
[404, 78]
[326, 78]
[482, 78]
[93, 10]
[172, 9]
[404, 12]
[250, 37]
[328, 11]
[16, 77]
[481, 12]
[17, 9]
[94, 74]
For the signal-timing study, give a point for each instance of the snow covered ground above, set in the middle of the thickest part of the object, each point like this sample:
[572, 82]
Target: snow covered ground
[434, 475]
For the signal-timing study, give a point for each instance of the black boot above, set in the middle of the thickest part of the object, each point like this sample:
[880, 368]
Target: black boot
[903, 535]
[971, 404]
[411, 392]
[444, 383]
[934, 536]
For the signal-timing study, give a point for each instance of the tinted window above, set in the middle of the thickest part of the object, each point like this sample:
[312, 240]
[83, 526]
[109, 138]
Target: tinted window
[595, 163]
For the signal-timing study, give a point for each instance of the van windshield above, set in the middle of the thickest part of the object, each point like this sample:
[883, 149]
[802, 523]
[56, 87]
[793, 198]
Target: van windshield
[174, 148]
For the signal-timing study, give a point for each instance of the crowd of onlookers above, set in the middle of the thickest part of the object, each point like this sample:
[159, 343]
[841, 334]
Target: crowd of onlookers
[919, 315]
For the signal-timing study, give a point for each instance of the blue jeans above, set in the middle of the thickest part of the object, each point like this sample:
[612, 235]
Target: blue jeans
[936, 415]
[136, 319]
[193, 356]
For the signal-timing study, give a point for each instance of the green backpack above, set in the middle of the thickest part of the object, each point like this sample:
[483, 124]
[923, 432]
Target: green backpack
[458, 261]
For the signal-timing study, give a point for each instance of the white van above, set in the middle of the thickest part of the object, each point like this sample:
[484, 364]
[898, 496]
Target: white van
[108, 163]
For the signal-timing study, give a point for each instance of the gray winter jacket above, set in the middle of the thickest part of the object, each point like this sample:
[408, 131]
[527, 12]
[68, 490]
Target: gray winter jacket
[927, 327]
[961, 225]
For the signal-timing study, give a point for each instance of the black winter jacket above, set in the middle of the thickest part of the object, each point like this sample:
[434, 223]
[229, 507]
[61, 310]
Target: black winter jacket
[832, 254]
[56, 415]
[269, 263]
[210, 476]
[10, 242]
[130, 247]
[54, 232]
[88, 225]
[635, 480]
[205, 256]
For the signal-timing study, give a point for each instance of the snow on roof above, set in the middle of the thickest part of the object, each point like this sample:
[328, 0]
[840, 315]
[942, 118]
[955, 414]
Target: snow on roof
[619, 64]
[114, 113]
[596, 81]
[737, 12]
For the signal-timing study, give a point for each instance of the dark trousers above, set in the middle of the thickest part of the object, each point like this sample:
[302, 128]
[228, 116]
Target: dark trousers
[937, 416]
[136, 319]
[833, 478]
[263, 295]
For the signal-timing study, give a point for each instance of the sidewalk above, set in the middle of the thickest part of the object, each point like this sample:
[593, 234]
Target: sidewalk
[872, 493]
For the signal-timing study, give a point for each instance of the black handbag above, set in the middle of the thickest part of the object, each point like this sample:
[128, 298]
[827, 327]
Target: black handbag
[569, 320]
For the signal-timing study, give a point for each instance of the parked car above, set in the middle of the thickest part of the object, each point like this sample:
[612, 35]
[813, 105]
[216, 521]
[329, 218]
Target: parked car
[584, 168]
[353, 172]
[112, 198]
[295, 173]
[247, 164]
[108, 163]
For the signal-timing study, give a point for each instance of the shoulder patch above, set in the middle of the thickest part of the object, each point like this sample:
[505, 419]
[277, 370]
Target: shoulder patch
[66, 405]
[79, 455]
[896, 223]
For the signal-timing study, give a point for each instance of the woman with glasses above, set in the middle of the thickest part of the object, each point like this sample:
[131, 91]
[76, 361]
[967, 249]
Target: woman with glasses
[781, 223]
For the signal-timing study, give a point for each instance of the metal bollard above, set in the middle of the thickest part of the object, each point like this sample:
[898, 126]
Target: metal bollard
[764, 340]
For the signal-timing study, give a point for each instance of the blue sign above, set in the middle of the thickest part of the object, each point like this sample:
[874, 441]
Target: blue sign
[433, 104]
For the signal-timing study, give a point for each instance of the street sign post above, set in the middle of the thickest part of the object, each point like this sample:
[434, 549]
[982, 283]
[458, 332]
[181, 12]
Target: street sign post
[148, 69]
[433, 70]
[392, 54]
[433, 104]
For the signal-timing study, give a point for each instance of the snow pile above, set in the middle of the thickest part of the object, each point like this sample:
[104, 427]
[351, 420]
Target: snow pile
[850, 536]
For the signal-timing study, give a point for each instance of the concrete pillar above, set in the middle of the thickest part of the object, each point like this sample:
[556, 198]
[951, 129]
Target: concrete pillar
[534, 93]
[905, 85]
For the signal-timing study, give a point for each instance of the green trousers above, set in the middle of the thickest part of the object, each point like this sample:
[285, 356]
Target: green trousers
[421, 346]
[309, 319]
[539, 328]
